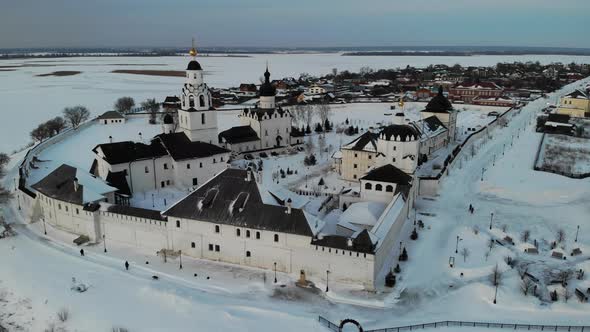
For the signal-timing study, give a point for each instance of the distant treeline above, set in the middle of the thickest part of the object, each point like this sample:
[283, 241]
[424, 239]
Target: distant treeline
[460, 53]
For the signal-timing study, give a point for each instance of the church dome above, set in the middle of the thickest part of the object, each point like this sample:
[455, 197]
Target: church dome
[194, 65]
[439, 103]
[399, 132]
[267, 89]
[168, 119]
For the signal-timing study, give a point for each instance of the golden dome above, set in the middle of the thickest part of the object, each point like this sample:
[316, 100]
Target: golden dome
[192, 52]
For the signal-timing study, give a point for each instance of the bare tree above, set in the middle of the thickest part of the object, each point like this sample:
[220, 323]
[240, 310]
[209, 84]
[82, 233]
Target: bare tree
[297, 114]
[526, 286]
[56, 125]
[567, 293]
[465, 253]
[308, 112]
[41, 133]
[76, 115]
[324, 112]
[504, 228]
[5, 195]
[560, 236]
[124, 104]
[565, 276]
[525, 235]
[152, 107]
[496, 276]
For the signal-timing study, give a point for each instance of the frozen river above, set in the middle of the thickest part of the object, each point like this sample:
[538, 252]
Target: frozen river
[26, 99]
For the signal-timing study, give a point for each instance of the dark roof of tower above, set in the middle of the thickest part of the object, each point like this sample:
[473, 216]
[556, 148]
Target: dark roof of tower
[439, 103]
[168, 119]
[400, 132]
[267, 89]
[388, 173]
[239, 134]
[124, 152]
[363, 140]
[194, 65]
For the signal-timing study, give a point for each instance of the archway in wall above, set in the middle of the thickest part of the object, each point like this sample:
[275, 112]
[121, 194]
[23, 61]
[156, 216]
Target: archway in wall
[351, 325]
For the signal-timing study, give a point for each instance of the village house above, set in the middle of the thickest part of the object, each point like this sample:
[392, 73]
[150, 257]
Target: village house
[111, 117]
[466, 92]
[575, 104]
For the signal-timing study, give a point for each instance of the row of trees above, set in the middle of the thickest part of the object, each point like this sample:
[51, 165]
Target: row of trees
[72, 116]
[5, 194]
[303, 115]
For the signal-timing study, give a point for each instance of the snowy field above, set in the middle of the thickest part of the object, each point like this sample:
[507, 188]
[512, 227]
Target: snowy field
[36, 272]
[565, 154]
[28, 100]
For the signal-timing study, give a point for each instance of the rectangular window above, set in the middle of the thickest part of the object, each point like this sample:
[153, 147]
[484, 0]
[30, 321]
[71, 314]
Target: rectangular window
[188, 166]
[217, 248]
[355, 166]
[210, 247]
[165, 166]
[167, 182]
[193, 245]
[163, 184]
[195, 181]
[201, 165]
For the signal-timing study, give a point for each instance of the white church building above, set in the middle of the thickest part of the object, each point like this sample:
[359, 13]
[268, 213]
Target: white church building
[186, 158]
[264, 127]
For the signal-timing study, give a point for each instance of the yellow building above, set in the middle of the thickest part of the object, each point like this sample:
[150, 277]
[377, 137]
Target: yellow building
[575, 104]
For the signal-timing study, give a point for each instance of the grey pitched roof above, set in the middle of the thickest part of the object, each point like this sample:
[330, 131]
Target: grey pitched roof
[361, 243]
[388, 173]
[180, 147]
[136, 212]
[239, 134]
[363, 140]
[59, 184]
[111, 115]
[229, 199]
[124, 152]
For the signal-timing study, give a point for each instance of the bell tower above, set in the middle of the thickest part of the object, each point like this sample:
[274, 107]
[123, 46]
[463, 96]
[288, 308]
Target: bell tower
[197, 118]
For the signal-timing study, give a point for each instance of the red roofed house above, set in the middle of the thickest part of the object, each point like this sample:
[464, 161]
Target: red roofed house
[468, 91]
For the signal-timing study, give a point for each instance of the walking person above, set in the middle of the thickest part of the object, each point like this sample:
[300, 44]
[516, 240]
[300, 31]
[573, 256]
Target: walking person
[82, 252]
[127, 265]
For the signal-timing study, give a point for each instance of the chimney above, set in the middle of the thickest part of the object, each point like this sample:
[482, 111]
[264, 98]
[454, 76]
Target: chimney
[248, 174]
[349, 242]
[76, 184]
[110, 139]
[289, 201]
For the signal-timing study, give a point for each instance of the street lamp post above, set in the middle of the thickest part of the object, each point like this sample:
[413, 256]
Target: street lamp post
[44, 227]
[491, 219]
[180, 257]
[104, 242]
[577, 231]
[496, 294]
[18, 199]
[457, 245]
[275, 272]
[153, 201]
[482, 170]
[327, 275]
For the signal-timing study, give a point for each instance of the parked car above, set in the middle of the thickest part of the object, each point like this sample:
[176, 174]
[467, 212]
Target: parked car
[248, 156]
[494, 113]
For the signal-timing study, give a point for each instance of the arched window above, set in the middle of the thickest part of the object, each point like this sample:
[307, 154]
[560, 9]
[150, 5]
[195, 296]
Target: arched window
[216, 228]
[378, 187]
[389, 189]
[201, 101]
[238, 232]
[248, 254]
[393, 159]
[191, 101]
[276, 237]
[193, 245]
[178, 223]
[368, 186]
[202, 118]
[257, 235]
[247, 233]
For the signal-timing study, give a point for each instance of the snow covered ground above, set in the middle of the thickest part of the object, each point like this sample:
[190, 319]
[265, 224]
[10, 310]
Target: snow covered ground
[29, 100]
[566, 154]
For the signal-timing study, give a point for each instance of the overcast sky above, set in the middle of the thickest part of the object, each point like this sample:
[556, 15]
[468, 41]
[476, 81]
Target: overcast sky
[294, 23]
